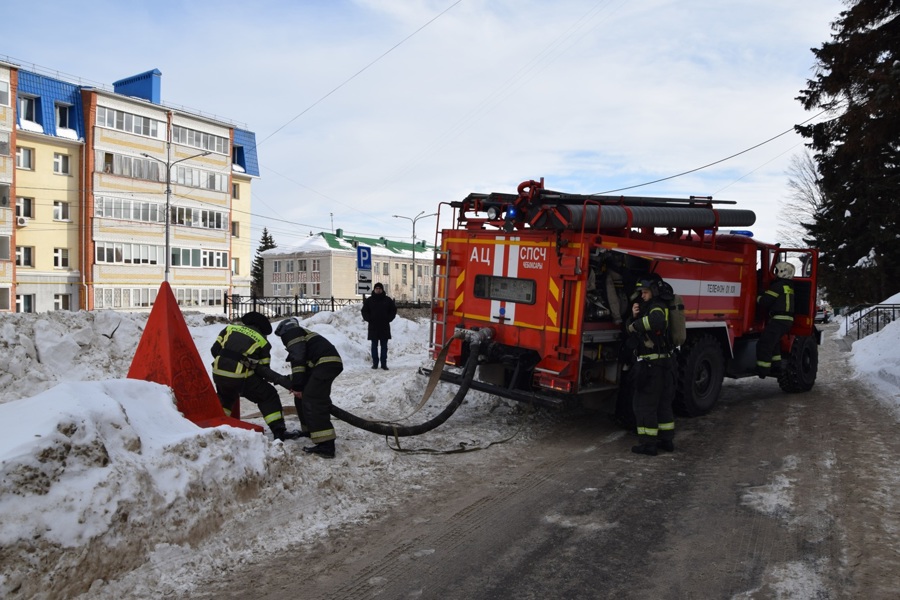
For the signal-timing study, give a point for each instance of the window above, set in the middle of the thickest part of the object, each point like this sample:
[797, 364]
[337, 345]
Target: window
[315, 266]
[301, 265]
[4, 143]
[62, 301]
[61, 258]
[235, 266]
[128, 166]
[4, 195]
[25, 207]
[27, 110]
[198, 139]
[24, 158]
[60, 210]
[4, 298]
[63, 116]
[403, 274]
[316, 289]
[235, 229]
[301, 289]
[25, 303]
[61, 163]
[4, 101]
[289, 266]
[276, 266]
[116, 119]
[235, 191]
[387, 269]
[24, 256]
[4, 248]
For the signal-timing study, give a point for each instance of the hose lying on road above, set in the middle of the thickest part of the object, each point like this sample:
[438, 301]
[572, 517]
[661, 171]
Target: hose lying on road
[395, 430]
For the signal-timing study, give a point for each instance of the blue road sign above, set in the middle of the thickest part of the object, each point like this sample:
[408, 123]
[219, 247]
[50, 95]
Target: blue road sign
[364, 258]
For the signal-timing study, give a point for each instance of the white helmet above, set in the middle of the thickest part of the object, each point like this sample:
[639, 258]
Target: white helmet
[784, 270]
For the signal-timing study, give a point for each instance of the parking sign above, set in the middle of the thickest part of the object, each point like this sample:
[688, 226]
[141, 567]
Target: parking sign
[364, 258]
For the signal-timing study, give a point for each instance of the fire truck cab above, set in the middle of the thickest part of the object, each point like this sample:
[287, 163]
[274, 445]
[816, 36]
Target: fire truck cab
[547, 278]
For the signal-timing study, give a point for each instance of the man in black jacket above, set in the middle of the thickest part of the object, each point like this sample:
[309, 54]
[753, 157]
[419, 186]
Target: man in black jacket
[378, 311]
[241, 357]
[315, 364]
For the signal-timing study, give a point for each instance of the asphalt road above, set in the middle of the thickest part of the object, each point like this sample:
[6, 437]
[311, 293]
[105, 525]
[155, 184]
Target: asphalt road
[769, 496]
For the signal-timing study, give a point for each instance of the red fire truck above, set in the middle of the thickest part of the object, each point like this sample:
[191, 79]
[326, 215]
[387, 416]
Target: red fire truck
[544, 279]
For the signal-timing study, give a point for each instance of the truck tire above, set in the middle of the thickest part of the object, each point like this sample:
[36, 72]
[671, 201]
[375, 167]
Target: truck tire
[802, 365]
[701, 369]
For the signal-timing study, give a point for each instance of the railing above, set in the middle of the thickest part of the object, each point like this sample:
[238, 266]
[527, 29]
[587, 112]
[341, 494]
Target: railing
[865, 319]
[287, 306]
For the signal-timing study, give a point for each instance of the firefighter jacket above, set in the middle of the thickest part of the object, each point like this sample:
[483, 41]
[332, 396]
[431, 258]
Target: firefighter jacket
[778, 301]
[306, 351]
[238, 350]
[652, 328]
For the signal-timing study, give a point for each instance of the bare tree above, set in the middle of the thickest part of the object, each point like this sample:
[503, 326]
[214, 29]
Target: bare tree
[804, 202]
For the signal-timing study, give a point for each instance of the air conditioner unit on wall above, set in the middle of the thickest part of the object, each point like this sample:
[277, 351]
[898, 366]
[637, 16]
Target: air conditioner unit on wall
[22, 221]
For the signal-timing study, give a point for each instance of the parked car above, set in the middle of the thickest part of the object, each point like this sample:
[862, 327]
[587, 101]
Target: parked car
[823, 314]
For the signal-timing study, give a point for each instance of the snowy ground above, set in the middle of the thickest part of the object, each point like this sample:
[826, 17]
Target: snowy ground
[108, 491]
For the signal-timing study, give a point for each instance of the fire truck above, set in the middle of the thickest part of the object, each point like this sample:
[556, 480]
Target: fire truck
[539, 284]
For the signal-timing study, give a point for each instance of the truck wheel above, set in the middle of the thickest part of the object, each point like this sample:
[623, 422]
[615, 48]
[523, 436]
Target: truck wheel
[701, 369]
[801, 366]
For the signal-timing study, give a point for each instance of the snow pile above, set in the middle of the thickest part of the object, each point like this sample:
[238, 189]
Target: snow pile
[107, 490]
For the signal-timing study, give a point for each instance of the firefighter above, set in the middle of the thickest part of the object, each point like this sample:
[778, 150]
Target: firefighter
[777, 306]
[315, 364]
[652, 373]
[241, 357]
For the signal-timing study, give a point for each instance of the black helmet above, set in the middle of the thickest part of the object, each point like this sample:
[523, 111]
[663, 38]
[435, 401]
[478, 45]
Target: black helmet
[287, 326]
[258, 321]
[648, 284]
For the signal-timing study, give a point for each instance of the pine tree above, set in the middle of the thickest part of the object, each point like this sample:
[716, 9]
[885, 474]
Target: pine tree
[858, 152]
[256, 272]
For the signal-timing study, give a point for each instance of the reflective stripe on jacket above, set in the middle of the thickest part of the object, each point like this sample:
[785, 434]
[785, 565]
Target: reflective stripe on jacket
[235, 350]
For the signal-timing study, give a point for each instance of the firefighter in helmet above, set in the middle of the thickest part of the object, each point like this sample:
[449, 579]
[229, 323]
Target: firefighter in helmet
[241, 357]
[777, 306]
[315, 364]
[653, 375]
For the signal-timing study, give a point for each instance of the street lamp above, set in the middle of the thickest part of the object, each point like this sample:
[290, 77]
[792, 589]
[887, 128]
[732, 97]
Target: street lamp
[168, 163]
[421, 215]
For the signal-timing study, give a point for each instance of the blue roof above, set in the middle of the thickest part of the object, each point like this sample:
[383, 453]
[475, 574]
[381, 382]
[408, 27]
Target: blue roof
[49, 92]
[245, 151]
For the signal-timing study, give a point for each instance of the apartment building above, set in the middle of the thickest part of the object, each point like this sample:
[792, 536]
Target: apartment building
[116, 192]
[323, 265]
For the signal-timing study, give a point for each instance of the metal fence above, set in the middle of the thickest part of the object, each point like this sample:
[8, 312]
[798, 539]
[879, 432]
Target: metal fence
[284, 306]
[865, 319]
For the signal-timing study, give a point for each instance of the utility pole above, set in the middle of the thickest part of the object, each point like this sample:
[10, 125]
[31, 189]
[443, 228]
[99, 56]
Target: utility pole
[421, 215]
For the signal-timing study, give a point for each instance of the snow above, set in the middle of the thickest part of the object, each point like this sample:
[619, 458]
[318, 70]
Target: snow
[107, 491]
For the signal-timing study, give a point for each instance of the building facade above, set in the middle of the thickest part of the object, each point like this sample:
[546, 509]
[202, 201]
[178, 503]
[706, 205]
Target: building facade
[114, 193]
[324, 266]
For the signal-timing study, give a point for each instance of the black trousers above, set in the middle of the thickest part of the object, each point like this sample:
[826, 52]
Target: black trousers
[654, 390]
[314, 409]
[768, 348]
[253, 388]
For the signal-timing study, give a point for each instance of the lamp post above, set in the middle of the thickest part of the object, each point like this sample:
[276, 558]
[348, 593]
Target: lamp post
[169, 163]
[421, 215]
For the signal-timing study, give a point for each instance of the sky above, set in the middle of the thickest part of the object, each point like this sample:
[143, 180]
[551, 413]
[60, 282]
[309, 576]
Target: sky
[95, 460]
[364, 109]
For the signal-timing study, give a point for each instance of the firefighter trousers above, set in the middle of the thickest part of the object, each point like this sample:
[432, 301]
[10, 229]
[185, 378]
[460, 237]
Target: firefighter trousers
[768, 348]
[255, 389]
[654, 390]
[314, 409]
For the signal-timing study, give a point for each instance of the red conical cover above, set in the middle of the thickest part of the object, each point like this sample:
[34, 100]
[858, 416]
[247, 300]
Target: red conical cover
[167, 354]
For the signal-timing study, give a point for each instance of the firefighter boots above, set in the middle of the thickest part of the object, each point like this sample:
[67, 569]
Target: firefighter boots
[280, 432]
[323, 449]
[648, 449]
[666, 445]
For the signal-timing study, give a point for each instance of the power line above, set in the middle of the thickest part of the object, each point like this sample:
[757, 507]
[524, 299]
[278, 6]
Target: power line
[721, 160]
